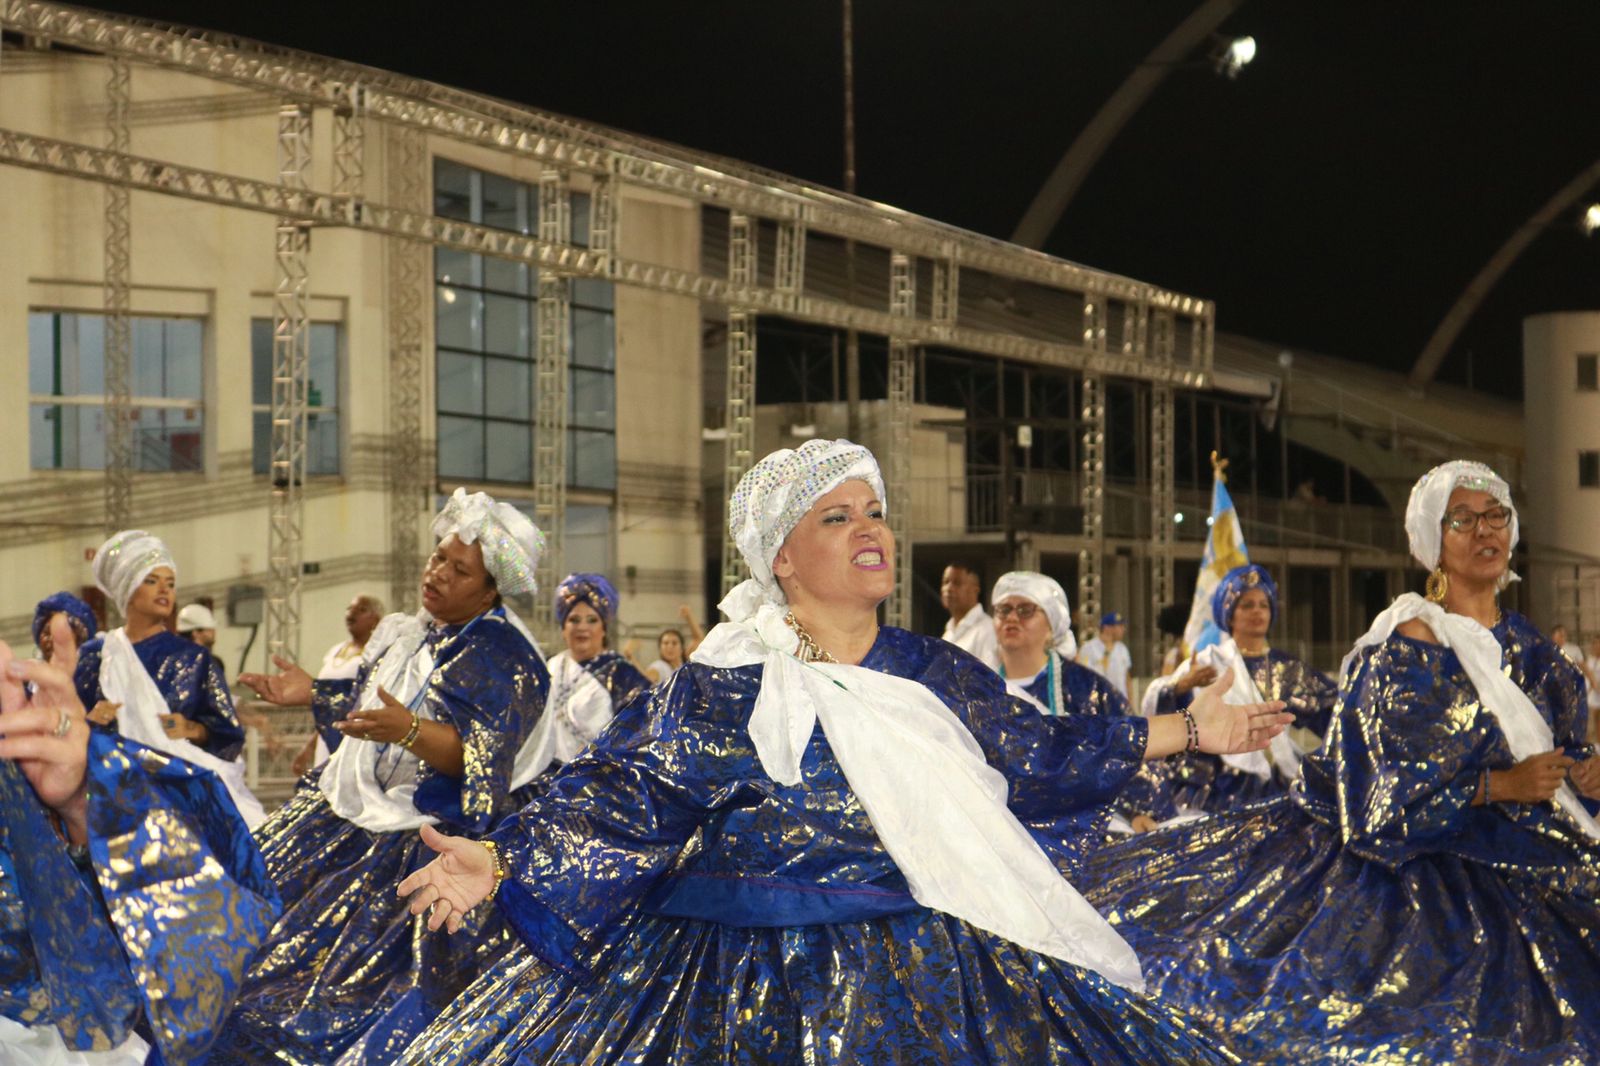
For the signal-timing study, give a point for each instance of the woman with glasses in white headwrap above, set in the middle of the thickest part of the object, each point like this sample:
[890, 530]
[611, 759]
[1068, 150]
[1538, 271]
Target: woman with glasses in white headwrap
[1430, 891]
[1244, 606]
[131, 895]
[147, 683]
[823, 842]
[431, 732]
[1033, 632]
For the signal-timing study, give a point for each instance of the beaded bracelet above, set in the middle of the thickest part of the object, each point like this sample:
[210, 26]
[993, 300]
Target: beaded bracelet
[1194, 730]
[411, 737]
[498, 864]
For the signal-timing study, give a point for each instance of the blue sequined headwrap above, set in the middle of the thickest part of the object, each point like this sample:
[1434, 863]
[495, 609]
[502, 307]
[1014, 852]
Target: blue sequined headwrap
[1238, 581]
[592, 589]
[68, 604]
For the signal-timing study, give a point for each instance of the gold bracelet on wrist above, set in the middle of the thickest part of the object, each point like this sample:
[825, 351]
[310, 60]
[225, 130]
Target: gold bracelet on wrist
[411, 737]
[498, 864]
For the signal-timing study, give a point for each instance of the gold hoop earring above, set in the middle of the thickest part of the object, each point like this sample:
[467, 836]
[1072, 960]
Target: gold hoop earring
[1438, 586]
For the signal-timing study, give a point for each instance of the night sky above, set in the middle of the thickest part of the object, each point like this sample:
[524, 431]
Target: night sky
[1336, 197]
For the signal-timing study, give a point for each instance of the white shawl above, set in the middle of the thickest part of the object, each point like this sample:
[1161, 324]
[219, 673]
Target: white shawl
[575, 712]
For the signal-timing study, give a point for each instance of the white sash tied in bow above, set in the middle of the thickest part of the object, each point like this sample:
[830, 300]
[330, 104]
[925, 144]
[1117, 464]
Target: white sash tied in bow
[575, 712]
[937, 806]
[1525, 730]
[124, 680]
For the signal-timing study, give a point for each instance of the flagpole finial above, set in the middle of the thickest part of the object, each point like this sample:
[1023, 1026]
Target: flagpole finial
[1219, 468]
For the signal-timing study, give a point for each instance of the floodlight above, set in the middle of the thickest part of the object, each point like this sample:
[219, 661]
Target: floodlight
[1591, 220]
[1236, 56]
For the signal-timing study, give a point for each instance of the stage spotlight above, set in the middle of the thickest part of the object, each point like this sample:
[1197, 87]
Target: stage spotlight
[1591, 220]
[1236, 56]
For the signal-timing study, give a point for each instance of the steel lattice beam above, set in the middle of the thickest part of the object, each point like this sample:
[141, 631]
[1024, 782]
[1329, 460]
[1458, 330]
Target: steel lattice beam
[410, 467]
[550, 397]
[120, 429]
[902, 384]
[350, 147]
[741, 398]
[1163, 489]
[1093, 467]
[290, 350]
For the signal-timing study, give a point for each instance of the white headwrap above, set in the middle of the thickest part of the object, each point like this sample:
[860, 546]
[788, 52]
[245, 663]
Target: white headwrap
[1051, 598]
[510, 542]
[934, 801]
[1430, 498]
[773, 496]
[125, 560]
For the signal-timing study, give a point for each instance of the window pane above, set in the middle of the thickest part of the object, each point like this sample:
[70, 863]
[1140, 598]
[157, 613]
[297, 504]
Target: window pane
[580, 218]
[1588, 372]
[508, 391]
[323, 366]
[460, 448]
[502, 204]
[505, 276]
[260, 441]
[261, 360]
[184, 356]
[81, 355]
[593, 292]
[41, 354]
[510, 452]
[594, 399]
[506, 325]
[1589, 470]
[322, 443]
[457, 268]
[452, 190]
[592, 339]
[460, 383]
[459, 318]
[591, 459]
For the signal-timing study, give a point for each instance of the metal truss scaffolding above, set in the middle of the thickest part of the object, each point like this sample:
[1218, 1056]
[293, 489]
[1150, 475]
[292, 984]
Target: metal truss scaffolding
[290, 340]
[741, 405]
[409, 467]
[550, 397]
[120, 459]
[1163, 489]
[902, 383]
[1090, 558]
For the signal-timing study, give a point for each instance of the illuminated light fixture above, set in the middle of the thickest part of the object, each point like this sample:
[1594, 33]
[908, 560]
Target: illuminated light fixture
[1177, 519]
[448, 295]
[1591, 220]
[1235, 56]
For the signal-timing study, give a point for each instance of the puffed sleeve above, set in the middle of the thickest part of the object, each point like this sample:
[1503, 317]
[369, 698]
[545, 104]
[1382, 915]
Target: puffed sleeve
[492, 690]
[584, 853]
[86, 676]
[331, 701]
[212, 707]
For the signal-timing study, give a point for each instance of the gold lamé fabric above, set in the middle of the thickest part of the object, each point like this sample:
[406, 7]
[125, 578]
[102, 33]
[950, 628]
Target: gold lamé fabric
[1374, 915]
[676, 905]
[190, 678]
[348, 971]
[157, 932]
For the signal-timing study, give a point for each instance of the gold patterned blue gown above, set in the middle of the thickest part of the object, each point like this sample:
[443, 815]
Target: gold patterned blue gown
[676, 905]
[346, 969]
[153, 932]
[1204, 782]
[1374, 915]
[187, 674]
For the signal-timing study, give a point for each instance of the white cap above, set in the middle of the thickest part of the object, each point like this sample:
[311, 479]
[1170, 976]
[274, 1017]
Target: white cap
[196, 616]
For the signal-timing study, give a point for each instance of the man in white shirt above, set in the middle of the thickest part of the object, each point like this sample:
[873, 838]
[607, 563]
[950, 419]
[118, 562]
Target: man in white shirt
[1107, 655]
[969, 628]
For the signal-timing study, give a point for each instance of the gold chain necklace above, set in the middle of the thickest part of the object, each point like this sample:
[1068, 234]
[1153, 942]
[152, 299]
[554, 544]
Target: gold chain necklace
[809, 650]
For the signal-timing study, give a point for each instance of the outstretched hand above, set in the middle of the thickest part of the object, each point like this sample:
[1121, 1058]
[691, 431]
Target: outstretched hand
[290, 688]
[1231, 729]
[452, 884]
[53, 759]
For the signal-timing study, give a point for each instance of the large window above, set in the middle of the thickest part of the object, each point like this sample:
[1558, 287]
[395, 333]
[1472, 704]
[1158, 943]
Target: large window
[1589, 470]
[1588, 372]
[486, 314]
[322, 397]
[67, 385]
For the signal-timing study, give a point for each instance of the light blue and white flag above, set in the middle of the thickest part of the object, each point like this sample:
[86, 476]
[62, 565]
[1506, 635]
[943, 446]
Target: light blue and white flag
[1225, 549]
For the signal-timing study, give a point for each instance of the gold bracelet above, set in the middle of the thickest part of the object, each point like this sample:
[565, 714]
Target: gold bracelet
[411, 737]
[499, 866]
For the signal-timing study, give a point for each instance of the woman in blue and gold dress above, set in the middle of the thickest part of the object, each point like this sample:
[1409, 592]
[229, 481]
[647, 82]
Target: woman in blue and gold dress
[131, 895]
[431, 730]
[780, 857]
[1244, 606]
[1430, 891]
[1034, 639]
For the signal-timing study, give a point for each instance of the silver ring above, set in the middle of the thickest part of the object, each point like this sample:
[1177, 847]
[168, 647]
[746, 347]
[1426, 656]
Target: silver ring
[63, 723]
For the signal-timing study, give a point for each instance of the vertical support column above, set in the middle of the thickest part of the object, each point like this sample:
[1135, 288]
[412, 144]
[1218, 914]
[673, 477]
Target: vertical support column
[290, 340]
[604, 215]
[741, 402]
[550, 394]
[120, 458]
[350, 149]
[946, 292]
[902, 395]
[789, 261]
[410, 470]
[1091, 559]
[1163, 489]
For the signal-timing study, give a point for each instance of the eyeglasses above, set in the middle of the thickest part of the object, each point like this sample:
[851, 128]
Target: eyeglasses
[1465, 519]
[1023, 611]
